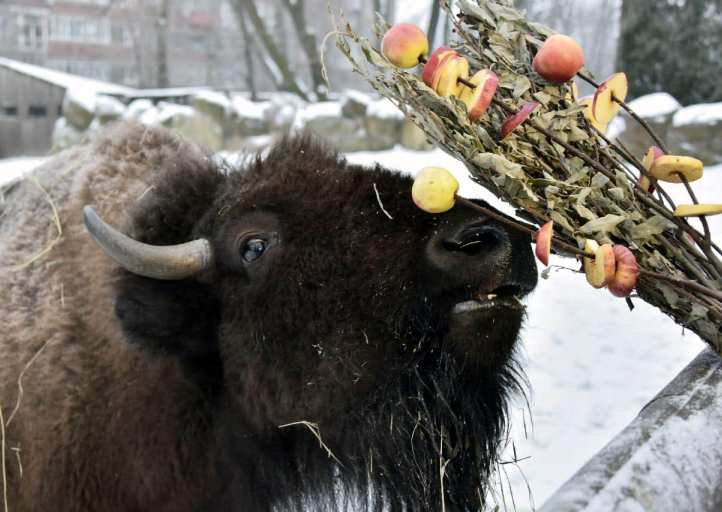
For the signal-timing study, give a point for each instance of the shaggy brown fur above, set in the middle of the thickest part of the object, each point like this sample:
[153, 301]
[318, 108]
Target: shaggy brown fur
[170, 396]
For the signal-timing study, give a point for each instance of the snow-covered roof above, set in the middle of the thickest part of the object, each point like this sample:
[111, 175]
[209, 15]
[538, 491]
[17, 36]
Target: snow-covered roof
[65, 80]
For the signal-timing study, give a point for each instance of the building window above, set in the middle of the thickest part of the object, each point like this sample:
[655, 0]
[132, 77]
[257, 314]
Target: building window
[76, 29]
[31, 32]
[121, 35]
[37, 111]
[9, 110]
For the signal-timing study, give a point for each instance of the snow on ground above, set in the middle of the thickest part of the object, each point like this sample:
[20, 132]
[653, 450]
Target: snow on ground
[655, 105]
[15, 167]
[592, 364]
[704, 113]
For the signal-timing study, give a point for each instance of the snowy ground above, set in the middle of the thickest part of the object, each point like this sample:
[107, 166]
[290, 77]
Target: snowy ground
[591, 363]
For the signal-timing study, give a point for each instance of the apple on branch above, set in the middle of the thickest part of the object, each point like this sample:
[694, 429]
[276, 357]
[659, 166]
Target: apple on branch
[604, 106]
[515, 120]
[543, 240]
[435, 59]
[600, 270]
[403, 44]
[626, 273]
[649, 158]
[587, 102]
[479, 98]
[559, 59]
[450, 70]
[669, 168]
[695, 210]
[434, 190]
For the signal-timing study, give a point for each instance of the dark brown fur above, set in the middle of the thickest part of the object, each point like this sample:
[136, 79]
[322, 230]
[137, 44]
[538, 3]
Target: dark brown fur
[171, 396]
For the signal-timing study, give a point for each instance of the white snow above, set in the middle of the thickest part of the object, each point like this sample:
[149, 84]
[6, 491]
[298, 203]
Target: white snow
[705, 113]
[168, 110]
[12, 168]
[108, 106]
[247, 109]
[655, 105]
[384, 109]
[136, 108]
[316, 110]
[357, 96]
[83, 97]
[215, 98]
[66, 80]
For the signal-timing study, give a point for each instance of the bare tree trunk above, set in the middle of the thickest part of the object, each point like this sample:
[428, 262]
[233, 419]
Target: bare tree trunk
[433, 22]
[248, 55]
[284, 80]
[308, 41]
[162, 42]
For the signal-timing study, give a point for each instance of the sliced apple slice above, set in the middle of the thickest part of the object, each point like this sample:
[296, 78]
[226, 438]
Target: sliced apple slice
[604, 108]
[668, 167]
[543, 239]
[450, 71]
[587, 102]
[695, 210]
[626, 273]
[652, 154]
[433, 63]
[443, 61]
[600, 270]
[434, 190]
[516, 119]
[478, 99]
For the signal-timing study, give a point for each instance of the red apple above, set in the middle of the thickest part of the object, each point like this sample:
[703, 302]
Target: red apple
[516, 119]
[403, 44]
[626, 273]
[559, 59]
[600, 270]
[543, 239]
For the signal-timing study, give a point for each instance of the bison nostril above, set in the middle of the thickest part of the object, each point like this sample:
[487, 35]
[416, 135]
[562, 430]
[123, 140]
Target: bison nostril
[474, 240]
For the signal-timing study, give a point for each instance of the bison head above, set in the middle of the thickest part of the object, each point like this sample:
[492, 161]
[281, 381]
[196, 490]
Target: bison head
[302, 309]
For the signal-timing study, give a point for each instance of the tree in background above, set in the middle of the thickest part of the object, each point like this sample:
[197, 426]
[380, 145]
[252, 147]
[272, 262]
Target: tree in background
[673, 46]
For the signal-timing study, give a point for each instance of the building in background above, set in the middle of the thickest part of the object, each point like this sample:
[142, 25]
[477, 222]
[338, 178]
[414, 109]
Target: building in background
[123, 41]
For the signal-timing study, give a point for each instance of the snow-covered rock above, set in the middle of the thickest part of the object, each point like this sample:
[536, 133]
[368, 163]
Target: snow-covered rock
[108, 109]
[354, 104]
[697, 131]
[79, 107]
[65, 135]
[136, 108]
[383, 123]
[248, 118]
[658, 104]
[215, 104]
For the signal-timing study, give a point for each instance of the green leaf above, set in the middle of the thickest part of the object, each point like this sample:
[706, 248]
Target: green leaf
[602, 225]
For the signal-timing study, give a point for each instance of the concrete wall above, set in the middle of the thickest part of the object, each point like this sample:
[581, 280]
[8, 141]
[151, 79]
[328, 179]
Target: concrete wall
[24, 128]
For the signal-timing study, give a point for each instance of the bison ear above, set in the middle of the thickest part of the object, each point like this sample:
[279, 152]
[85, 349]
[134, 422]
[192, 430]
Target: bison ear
[168, 317]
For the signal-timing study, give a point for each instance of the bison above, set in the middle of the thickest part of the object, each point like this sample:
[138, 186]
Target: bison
[265, 338]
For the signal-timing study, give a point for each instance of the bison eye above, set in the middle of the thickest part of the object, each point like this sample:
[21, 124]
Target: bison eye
[252, 249]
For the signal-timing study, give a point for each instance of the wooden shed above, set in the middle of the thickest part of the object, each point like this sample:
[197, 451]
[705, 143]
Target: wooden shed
[31, 99]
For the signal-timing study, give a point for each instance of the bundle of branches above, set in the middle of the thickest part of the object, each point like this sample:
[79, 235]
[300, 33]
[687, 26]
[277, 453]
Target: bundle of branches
[556, 166]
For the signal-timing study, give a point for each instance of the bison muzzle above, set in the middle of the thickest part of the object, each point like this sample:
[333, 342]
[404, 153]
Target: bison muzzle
[251, 339]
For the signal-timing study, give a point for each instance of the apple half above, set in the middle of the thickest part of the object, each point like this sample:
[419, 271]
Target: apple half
[695, 210]
[543, 240]
[450, 70]
[600, 270]
[515, 120]
[432, 64]
[587, 102]
[649, 158]
[479, 98]
[604, 106]
[669, 167]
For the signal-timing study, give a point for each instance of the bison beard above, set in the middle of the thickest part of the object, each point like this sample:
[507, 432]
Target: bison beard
[432, 433]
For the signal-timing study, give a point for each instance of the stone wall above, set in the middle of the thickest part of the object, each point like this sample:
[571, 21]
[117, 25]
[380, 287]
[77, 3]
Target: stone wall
[223, 122]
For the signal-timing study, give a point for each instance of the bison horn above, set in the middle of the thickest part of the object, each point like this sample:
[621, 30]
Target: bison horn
[158, 262]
